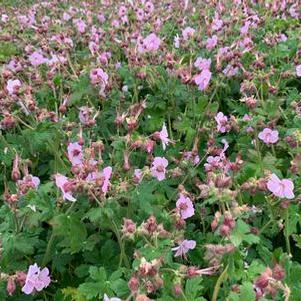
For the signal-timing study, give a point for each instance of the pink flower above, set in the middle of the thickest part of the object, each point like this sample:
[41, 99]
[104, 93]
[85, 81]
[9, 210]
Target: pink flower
[230, 70]
[62, 182]
[122, 11]
[185, 206]
[37, 58]
[101, 18]
[13, 86]
[192, 157]
[187, 33]
[211, 42]
[184, 247]
[106, 298]
[281, 188]
[137, 175]
[80, 25]
[158, 168]
[268, 136]
[202, 79]
[98, 76]
[75, 153]
[202, 64]
[85, 114]
[245, 28]
[221, 121]
[36, 279]
[66, 16]
[164, 136]
[14, 65]
[103, 176]
[106, 173]
[150, 44]
[217, 23]
[298, 70]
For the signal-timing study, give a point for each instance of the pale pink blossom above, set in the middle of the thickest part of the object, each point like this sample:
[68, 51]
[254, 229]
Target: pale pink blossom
[66, 16]
[37, 58]
[122, 11]
[137, 175]
[98, 76]
[107, 172]
[164, 136]
[217, 23]
[192, 157]
[80, 25]
[202, 64]
[222, 122]
[185, 206]
[203, 79]
[184, 247]
[63, 183]
[150, 44]
[14, 65]
[85, 114]
[75, 153]
[158, 168]
[187, 33]
[211, 42]
[4, 18]
[103, 176]
[269, 136]
[281, 188]
[298, 70]
[36, 279]
[13, 86]
[230, 70]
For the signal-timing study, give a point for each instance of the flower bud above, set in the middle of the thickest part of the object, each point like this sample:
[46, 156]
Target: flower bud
[11, 286]
[133, 284]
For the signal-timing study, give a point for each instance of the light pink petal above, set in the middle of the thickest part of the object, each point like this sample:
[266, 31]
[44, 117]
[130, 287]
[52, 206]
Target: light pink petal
[288, 193]
[274, 183]
[190, 244]
[27, 288]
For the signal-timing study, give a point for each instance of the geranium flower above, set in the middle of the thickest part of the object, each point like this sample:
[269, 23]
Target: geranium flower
[98, 76]
[150, 44]
[185, 206]
[268, 136]
[164, 136]
[211, 42]
[37, 58]
[106, 173]
[137, 175]
[184, 247]
[281, 188]
[158, 168]
[75, 154]
[62, 183]
[13, 86]
[221, 121]
[202, 64]
[187, 33]
[203, 79]
[36, 279]
[80, 25]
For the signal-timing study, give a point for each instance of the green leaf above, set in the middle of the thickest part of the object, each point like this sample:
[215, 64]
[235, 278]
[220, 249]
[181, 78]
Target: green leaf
[193, 288]
[247, 292]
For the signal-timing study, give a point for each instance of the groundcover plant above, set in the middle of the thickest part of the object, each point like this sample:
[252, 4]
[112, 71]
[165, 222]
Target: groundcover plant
[150, 150]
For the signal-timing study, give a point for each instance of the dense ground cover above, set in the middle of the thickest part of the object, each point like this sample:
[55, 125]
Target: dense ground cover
[150, 150]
